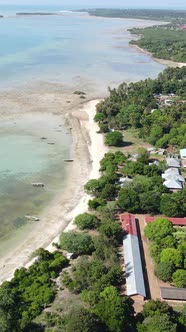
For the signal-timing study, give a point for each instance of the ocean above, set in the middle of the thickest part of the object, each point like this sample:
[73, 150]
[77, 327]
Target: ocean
[76, 51]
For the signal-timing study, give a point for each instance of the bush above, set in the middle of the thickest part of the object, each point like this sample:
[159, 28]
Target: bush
[164, 271]
[179, 278]
[114, 138]
[79, 243]
[86, 221]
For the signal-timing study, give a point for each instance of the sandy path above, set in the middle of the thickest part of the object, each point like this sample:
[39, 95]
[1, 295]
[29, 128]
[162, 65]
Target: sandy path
[88, 150]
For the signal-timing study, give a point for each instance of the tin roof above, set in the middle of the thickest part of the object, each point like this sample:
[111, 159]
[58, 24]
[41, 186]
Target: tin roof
[173, 293]
[174, 221]
[128, 223]
[133, 265]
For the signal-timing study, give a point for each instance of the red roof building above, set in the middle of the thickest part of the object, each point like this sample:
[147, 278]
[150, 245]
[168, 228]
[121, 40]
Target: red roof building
[128, 223]
[183, 27]
[174, 221]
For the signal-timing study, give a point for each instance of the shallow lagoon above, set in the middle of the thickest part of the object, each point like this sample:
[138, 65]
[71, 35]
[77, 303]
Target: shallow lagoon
[78, 51]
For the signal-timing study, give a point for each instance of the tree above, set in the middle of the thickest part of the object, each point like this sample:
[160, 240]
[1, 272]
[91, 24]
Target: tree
[179, 278]
[86, 221]
[9, 309]
[113, 310]
[109, 192]
[158, 323]
[128, 199]
[94, 186]
[96, 203]
[164, 271]
[79, 243]
[150, 201]
[111, 229]
[156, 307]
[143, 156]
[174, 205]
[173, 256]
[82, 320]
[157, 230]
[114, 138]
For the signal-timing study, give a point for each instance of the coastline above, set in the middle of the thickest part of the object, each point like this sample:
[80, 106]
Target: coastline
[161, 61]
[88, 150]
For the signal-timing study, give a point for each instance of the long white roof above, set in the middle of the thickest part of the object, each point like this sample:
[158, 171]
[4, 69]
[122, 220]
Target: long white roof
[133, 266]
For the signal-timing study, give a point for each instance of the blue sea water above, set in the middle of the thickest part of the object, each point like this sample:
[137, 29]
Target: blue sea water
[62, 48]
[75, 50]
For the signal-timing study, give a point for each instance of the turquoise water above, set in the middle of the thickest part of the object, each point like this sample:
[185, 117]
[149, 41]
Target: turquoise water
[75, 50]
[69, 47]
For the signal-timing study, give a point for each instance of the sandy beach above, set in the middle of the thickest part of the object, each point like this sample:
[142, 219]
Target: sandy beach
[88, 150]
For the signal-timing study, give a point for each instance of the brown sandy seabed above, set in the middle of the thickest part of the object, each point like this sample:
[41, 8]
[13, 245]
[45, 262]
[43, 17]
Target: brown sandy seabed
[87, 150]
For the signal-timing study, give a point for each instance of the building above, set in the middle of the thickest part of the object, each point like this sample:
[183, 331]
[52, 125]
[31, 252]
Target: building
[132, 258]
[124, 181]
[173, 179]
[174, 221]
[183, 153]
[173, 293]
[173, 162]
[183, 157]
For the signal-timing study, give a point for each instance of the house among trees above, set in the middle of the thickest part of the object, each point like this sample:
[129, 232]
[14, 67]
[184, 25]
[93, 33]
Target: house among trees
[173, 179]
[132, 258]
[173, 294]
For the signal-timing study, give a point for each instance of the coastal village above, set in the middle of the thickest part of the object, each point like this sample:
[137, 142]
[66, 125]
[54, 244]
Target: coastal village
[119, 261]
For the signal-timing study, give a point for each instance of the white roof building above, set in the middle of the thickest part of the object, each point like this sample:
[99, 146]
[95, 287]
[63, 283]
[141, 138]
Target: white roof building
[173, 179]
[183, 153]
[173, 162]
[132, 257]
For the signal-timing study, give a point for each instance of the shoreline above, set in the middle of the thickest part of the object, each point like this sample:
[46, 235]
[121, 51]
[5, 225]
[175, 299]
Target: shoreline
[88, 149]
[161, 61]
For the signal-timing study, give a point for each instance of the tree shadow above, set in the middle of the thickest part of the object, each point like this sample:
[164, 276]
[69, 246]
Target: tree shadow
[125, 144]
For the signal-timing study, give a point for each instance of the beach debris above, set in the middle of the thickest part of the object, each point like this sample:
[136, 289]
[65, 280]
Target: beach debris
[43, 137]
[38, 184]
[68, 160]
[50, 143]
[33, 218]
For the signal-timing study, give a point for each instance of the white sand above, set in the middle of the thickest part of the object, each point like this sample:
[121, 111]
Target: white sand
[89, 149]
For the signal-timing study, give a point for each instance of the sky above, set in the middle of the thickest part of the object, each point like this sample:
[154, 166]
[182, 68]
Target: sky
[175, 4]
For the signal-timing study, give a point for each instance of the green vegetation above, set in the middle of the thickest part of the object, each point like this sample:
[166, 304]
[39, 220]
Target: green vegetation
[114, 138]
[141, 106]
[86, 221]
[158, 316]
[78, 243]
[164, 42]
[30, 290]
[144, 193]
[149, 14]
[168, 250]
